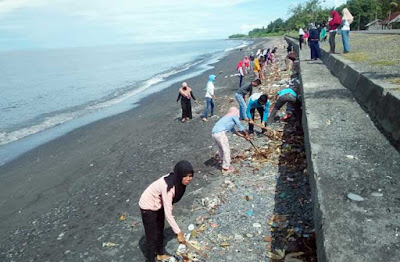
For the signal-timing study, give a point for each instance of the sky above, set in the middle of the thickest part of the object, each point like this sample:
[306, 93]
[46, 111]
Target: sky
[26, 24]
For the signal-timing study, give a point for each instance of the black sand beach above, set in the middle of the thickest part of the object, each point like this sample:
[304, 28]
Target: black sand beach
[63, 200]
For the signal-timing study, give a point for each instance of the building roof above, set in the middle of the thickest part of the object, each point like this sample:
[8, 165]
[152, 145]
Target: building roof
[373, 22]
[393, 18]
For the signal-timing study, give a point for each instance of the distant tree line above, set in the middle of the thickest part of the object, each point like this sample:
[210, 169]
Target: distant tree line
[301, 15]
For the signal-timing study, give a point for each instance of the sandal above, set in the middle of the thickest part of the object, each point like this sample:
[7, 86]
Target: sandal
[229, 170]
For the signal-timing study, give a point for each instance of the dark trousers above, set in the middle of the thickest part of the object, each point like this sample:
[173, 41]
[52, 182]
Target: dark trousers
[153, 222]
[252, 112]
[300, 41]
[315, 50]
[240, 81]
[332, 43]
[186, 108]
[287, 98]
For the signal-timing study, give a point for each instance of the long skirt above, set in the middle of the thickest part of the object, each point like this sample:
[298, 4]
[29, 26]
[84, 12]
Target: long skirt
[315, 51]
[186, 108]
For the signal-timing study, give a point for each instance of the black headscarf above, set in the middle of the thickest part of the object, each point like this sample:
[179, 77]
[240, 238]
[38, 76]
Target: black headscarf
[181, 169]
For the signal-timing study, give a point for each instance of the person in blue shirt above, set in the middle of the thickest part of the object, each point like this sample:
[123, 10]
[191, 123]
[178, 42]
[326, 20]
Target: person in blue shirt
[260, 102]
[227, 124]
[287, 95]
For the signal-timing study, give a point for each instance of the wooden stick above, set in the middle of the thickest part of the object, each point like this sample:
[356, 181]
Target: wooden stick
[258, 151]
[260, 126]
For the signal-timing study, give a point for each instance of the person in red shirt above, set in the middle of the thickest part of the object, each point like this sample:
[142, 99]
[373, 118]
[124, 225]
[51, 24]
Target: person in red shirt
[334, 22]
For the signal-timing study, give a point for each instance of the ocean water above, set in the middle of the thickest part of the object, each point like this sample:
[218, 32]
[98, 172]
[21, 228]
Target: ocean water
[46, 93]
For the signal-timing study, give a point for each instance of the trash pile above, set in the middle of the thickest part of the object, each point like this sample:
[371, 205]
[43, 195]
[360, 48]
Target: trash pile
[263, 210]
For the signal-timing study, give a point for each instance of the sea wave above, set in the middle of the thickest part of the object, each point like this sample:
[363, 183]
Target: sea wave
[63, 117]
[244, 44]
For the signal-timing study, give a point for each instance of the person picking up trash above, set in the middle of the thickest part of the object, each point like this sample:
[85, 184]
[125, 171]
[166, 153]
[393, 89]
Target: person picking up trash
[241, 94]
[226, 124]
[260, 102]
[156, 204]
[287, 95]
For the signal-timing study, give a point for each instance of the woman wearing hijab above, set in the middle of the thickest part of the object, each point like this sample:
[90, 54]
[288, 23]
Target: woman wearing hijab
[301, 33]
[156, 204]
[239, 68]
[334, 23]
[347, 19]
[227, 124]
[185, 94]
[209, 97]
[313, 43]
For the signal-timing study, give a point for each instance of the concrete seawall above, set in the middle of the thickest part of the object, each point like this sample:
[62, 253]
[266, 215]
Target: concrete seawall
[348, 154]
[381, 99]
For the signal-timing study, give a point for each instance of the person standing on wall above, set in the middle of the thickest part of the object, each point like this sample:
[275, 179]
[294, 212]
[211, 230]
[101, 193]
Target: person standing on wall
[347, 19]
[334, 23]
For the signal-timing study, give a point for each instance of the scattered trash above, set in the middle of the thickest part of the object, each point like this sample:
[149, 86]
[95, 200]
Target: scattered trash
[256, 225]
[355, 197]
[377, 194]
[109, 244]
[60, 236]
[122, 217]
[224, 244]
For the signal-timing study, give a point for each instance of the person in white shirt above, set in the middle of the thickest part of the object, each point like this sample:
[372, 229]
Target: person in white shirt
[347, 19]
[209, 97]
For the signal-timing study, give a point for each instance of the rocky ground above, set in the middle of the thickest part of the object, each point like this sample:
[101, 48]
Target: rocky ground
[263, 210]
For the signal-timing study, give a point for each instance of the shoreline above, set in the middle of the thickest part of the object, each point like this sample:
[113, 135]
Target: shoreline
[93, 111]
[79, 183]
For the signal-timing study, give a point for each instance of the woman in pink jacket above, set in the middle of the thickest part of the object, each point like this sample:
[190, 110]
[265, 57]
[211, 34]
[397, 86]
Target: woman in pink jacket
[156, 204]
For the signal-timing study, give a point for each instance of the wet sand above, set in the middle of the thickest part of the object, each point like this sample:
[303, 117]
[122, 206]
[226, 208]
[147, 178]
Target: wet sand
[63, 200]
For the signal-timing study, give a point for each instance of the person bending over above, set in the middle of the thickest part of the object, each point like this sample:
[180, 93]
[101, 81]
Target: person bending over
[260, 102]
[226, 124]
[156, 204]
[287, 95]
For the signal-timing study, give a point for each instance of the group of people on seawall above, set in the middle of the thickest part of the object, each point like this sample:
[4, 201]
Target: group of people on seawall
[156, 202]
[316, 33]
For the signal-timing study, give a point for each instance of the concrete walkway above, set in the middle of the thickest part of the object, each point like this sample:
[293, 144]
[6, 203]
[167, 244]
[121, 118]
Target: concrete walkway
[348, 154]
